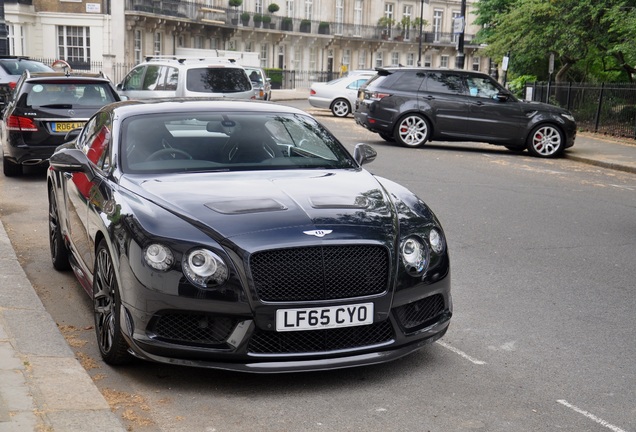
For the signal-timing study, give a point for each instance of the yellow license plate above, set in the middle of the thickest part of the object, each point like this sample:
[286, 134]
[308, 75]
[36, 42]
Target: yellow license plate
[66, 126]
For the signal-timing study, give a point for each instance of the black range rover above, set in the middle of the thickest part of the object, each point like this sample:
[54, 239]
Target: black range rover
[414, 105]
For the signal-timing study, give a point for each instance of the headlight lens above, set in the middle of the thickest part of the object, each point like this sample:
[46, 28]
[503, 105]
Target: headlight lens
[158, 256]
[436, 241]
[414, 255]
[204, 268]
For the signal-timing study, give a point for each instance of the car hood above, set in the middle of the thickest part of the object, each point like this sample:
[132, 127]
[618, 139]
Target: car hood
[241, 203]
[540, 106]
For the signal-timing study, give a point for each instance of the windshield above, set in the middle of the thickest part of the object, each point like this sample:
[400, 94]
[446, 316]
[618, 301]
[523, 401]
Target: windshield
[175, 142]
[69, 94]
[17, 67]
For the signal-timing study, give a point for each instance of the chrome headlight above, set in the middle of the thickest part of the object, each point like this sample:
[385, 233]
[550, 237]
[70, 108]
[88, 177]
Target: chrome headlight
[568, 116]
[414, 255]
[203, 267]
[158, 256]
[436, 240]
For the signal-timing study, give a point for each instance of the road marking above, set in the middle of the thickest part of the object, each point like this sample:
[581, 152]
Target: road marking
[461, 353]
[590, 416]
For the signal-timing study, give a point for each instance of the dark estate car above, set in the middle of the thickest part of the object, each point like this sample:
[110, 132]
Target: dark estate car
[12, 68]
[242, 235]
[44, 108]
[413, 105]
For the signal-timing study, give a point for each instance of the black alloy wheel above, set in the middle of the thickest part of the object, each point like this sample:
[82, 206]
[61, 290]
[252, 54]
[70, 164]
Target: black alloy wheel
[59, 252]
[107, 307]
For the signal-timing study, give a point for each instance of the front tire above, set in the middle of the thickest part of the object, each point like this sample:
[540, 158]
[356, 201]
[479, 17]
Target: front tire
[412, 130]
[59, 252]
[107, 307]
[340, 108]
[546, 141]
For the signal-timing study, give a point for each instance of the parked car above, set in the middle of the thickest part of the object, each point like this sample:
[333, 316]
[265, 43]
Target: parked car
[243, 236]
[169, 77]
[261, 82]
[45, 107]
[338, 95]
[414, 105]
[11, 68]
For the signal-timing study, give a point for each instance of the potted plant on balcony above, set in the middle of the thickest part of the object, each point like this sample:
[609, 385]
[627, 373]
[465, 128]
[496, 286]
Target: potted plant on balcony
[272, 9]
[416, 25]
[258, 19]
[305, 26]
[286, 24]
[245, 18]
[235, 4]
[385, 23]
[323, 27]
[267, 20]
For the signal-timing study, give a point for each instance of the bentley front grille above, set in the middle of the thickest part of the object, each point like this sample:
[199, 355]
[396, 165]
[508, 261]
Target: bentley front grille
[320, 272]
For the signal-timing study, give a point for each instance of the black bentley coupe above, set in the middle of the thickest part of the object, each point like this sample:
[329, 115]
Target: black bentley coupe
[243, 236]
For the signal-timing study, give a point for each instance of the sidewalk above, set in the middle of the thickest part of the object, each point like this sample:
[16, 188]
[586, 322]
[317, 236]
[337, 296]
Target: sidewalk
[43, 387]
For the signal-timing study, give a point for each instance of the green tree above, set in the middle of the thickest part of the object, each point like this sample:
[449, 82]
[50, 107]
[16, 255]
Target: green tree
[586, 36]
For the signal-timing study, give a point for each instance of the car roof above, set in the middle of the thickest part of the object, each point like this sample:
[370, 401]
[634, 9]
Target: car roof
[189, 61]
[92, 76]
[188, 104]
[390, 70]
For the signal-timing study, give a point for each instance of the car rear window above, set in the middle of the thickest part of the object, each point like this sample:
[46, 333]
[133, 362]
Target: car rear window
[69, 93]
[217, 80]
[17, 67]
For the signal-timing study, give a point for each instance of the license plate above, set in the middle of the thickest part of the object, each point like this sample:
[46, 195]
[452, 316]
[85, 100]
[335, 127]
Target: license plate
[318, 318]
[66, 126]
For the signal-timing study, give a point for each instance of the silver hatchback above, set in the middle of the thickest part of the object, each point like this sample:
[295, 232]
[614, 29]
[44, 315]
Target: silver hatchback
[169, 77]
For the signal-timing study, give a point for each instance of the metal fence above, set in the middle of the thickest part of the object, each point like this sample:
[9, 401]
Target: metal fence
[606, 108]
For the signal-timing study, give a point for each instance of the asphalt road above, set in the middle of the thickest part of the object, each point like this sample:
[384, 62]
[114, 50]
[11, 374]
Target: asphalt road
[543, 256]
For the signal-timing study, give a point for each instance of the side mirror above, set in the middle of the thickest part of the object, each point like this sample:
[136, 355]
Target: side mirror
[364, 153]
[71, 160]
[502, 96]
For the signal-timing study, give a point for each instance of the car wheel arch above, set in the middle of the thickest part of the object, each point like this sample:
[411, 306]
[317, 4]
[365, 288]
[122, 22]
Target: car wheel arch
[413, 113]
[543, 124]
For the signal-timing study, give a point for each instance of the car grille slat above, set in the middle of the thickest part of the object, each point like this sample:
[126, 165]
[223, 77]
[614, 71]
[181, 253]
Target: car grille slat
[320, 272]
[311, 341]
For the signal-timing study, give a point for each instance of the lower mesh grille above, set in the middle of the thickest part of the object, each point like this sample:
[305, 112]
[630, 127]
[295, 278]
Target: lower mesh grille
[199, 329]
[267, 342]
[421, 313]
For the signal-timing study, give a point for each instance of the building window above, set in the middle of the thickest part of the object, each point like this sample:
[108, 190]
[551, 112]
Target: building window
[312, 59]
[157, 45]
[309, 9]
[443, 61]
[395, 58]
[339, 17]
[289, 8]
[362, 59]
[15, 39]
[379, 61]
[437, 24]
[74, 43]
[258, 8]
[346, 59]
[454, 36]
[476, 64]
[357, 18]
[407, 13]
[410, 59]
[197, 42]
[297, 61]
[137, 46]
[428, 60]
[388, 13]
[264, 52]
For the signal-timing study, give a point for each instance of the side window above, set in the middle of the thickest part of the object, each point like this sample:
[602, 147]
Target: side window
[133, 79]
[357, 83]
[409, 81]
[481, 87]
[172, 78]
[152, 79]
[443, 82]
[95, 140]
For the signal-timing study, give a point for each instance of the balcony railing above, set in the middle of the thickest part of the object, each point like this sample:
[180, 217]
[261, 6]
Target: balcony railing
[229, 17]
